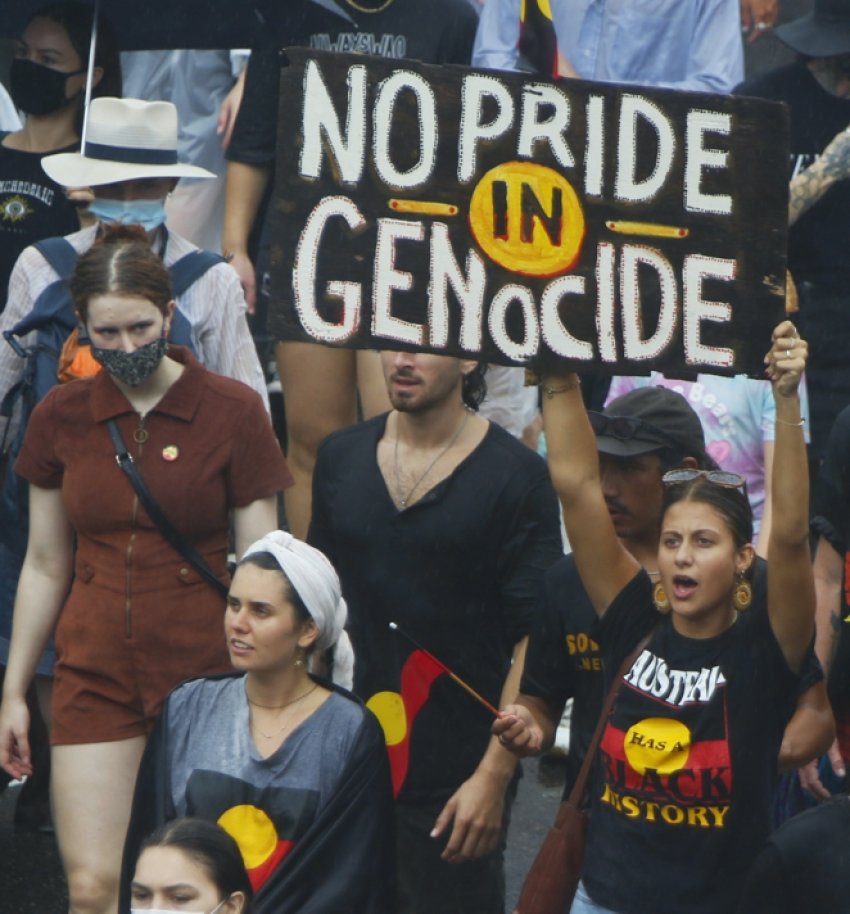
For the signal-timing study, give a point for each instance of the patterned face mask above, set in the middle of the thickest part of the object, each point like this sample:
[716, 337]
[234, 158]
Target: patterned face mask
[132, 368]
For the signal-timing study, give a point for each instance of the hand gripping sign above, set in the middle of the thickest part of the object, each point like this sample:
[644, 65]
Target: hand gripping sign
[515, 220]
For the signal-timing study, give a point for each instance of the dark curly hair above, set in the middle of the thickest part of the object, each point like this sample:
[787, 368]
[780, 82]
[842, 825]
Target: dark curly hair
[474, 388]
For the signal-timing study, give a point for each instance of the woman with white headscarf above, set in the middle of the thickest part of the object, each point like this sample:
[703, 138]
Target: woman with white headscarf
[292, 766]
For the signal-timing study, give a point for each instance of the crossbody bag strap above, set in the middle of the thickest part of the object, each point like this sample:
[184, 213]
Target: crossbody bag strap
[176, 539]
[576, 797]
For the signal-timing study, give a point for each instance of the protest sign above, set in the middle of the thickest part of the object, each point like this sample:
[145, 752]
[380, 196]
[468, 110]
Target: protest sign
[510, 218]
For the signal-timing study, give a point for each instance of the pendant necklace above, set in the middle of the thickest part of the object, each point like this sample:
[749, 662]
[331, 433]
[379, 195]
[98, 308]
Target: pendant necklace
[404, 499]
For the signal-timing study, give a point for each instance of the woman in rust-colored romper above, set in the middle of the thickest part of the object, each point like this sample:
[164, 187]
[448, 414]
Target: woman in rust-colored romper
[138, 618]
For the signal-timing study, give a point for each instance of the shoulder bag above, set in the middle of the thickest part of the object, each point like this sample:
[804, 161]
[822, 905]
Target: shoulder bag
[176, 539]
[551, 882]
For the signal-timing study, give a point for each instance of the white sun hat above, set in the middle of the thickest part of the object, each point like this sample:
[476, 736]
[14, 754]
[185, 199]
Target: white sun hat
[127, 139]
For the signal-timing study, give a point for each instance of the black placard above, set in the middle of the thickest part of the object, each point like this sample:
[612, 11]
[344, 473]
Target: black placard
[504, 217]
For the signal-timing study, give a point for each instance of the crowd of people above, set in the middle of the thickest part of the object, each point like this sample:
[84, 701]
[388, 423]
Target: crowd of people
[249, 671]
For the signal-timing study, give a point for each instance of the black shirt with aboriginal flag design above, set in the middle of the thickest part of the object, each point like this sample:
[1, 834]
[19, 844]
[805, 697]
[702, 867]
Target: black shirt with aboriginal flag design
[687, 763]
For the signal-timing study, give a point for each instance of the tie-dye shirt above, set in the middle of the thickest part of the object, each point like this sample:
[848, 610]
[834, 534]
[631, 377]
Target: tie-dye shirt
[737, 416]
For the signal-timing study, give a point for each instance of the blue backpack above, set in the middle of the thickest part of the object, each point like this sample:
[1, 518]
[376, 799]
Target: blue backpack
[53, 318]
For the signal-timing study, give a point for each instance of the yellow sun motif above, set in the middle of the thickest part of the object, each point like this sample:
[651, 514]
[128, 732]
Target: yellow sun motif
[660, 743]
[252, 830]
[13, 209]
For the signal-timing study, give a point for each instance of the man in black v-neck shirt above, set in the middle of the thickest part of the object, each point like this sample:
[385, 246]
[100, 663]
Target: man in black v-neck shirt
[443, 523]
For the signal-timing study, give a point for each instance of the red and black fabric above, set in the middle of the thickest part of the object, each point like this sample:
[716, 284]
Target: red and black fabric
[342, 859]
[538, 44]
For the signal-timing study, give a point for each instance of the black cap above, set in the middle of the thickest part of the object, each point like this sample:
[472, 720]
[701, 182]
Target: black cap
[666, 421]
[824, 32]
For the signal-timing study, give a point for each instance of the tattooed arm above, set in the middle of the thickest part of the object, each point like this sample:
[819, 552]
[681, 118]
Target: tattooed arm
[810, 185]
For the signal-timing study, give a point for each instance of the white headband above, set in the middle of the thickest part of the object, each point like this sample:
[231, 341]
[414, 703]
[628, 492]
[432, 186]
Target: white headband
[314, 580]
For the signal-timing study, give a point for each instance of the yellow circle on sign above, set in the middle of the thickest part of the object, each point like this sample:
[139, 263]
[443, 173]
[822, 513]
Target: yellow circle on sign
[388, 707]
[658, 743]
[527, 218]
[252, 830]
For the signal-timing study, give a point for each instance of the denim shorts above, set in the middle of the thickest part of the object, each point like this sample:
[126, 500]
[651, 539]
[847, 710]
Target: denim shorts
[583, 904]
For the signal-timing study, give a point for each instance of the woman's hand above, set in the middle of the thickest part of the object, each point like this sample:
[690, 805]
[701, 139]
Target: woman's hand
[786, 360]
[518, 731]
[14, 737]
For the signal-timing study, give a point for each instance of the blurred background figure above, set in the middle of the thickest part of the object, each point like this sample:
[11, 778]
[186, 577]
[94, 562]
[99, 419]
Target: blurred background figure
[47, 83]
[206, 89]
[816, 88]
[805, 867]
[321, 386]
[9, 120]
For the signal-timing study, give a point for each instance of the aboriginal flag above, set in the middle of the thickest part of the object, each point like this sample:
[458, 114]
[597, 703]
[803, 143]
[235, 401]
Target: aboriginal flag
[397, 711]
[654, 750]
[266, 822]
[538, 45]
[302, 857]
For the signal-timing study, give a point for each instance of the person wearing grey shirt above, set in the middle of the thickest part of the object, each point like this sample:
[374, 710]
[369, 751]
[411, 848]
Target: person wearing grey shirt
[293, 767]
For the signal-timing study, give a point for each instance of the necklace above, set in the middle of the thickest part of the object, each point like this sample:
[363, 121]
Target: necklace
[404, 499]
[275, 708]
[286, 704]
[368, 9]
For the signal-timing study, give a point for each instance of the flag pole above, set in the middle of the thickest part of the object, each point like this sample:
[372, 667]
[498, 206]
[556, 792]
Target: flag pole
[89, 75]
[462, 683]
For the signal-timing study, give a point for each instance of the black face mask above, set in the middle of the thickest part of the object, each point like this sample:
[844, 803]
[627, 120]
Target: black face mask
[36, 89]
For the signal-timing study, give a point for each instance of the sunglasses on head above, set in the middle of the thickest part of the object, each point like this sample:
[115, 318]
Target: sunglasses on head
[627, 428]
[716, 477]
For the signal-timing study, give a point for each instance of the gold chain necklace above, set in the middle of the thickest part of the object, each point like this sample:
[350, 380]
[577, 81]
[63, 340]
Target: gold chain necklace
[278, 708]
[404, 499]
[367, 9]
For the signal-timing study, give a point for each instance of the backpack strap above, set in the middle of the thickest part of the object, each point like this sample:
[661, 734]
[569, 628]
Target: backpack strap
[184, 273]
[60, 254]
[190, 268]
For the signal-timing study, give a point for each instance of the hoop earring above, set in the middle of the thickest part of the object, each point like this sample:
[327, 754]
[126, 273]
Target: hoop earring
[742, 595]
[660, 598]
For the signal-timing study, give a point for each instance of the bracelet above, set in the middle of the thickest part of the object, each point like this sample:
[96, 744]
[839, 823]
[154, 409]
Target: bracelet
[533, 379]
[799, 424]
[570, 385]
